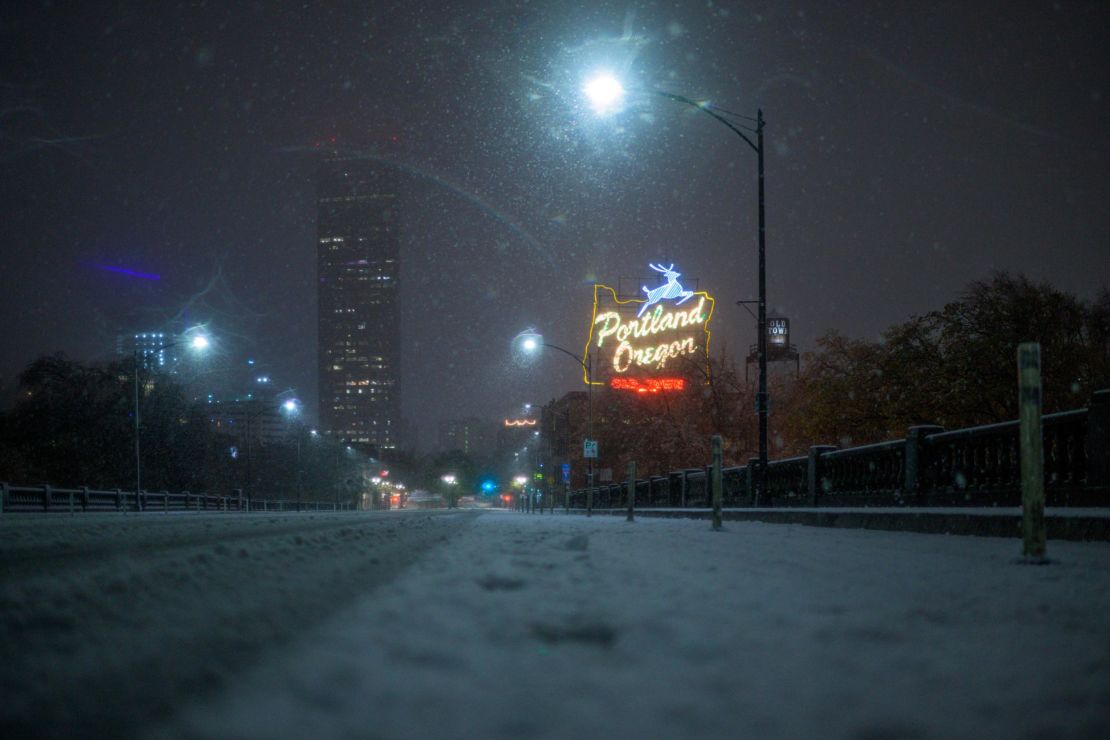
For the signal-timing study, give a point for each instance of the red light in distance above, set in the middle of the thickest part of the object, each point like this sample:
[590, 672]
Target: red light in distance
[648, 385]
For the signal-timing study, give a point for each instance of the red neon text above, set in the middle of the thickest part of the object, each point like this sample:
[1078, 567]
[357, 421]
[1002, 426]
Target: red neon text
[648, 385]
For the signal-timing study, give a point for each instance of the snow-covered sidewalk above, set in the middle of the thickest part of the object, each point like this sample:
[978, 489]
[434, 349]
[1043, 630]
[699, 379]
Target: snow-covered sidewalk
[568, 627]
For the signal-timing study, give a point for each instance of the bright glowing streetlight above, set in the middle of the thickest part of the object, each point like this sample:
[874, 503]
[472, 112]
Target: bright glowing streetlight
[450, 481]
[528, 343]
[198, 342]
[604, 94]
[292, 407]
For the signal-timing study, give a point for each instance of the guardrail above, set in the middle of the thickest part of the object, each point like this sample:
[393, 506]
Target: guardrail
[47, 498]
[930, 466]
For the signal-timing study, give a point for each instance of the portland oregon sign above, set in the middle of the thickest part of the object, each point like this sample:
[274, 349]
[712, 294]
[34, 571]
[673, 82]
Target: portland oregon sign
[648, 342]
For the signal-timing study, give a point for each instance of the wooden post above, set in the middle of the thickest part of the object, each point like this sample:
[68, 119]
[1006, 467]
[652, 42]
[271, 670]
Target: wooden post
[1032, 451]
[631, 491]
[715, 481]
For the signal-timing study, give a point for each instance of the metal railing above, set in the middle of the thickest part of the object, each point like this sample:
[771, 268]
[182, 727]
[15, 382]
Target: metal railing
[47, 498]
[977, 466]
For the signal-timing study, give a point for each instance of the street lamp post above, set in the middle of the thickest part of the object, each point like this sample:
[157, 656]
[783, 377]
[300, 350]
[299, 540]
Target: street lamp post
[292, 408]
[450, 480]
[605, 94]
[530, 343]
[199, 343]
[250, 454]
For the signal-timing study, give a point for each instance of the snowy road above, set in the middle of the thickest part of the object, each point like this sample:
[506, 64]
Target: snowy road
[508, 625]
[109, 622]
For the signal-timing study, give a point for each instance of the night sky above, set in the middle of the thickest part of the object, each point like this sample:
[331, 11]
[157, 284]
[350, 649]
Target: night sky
[911, 148]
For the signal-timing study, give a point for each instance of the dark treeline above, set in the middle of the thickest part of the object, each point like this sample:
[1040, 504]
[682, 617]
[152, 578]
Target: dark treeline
[73, 425]
[955, 366]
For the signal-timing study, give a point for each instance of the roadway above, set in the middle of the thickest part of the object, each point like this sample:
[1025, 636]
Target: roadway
[499, 624]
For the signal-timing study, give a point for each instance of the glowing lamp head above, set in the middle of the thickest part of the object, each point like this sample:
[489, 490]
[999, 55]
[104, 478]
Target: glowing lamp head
[291, 405]
[199, 342]
[527, 346]
[605, 93]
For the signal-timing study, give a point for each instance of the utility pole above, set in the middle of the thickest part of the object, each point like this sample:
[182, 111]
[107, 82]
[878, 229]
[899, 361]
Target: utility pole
[762, 398]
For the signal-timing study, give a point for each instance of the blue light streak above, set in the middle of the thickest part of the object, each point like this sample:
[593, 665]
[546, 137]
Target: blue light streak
[126, 271]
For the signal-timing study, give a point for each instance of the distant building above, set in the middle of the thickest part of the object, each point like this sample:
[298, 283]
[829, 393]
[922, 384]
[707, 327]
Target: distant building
[359, 350]
[472, 435]
[562, 428]
[153, 352]
[259, 419]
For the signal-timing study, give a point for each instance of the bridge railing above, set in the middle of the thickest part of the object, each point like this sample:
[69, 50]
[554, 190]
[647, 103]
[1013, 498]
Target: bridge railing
[930, 466]
[48, 498]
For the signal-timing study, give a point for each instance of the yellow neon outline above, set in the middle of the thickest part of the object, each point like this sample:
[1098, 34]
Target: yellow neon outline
[520, 422]
[619, 302]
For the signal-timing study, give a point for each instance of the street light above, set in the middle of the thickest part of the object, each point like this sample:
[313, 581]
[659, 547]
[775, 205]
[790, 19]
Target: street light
[605, 94]
[529, 343]
[292, 408]
[451, 481]
[198, 342]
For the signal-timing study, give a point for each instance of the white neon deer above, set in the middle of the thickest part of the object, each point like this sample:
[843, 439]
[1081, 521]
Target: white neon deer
[671, 289]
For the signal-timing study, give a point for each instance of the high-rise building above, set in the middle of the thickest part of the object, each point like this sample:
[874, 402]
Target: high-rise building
[157, 350]
[472, 435]
[359, 351]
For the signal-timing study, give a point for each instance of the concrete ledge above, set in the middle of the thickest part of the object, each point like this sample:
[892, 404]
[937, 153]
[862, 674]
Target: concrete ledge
[1081, 526]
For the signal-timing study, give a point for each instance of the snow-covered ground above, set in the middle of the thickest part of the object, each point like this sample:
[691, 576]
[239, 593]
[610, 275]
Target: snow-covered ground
[110, 622]
[568, 627]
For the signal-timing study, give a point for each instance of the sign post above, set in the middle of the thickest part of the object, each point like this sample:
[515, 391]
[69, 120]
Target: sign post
[631, 491]
[715, 482]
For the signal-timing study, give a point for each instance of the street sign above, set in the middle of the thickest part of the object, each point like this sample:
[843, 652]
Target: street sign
[566, 472]
[589, 448]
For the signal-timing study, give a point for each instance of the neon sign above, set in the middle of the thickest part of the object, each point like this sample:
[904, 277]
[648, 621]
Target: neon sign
[647, 385]
[672, 289]
[520, 422]
[639, 338]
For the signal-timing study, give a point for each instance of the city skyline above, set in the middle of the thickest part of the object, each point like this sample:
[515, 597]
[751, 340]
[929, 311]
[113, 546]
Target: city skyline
[171, 180]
